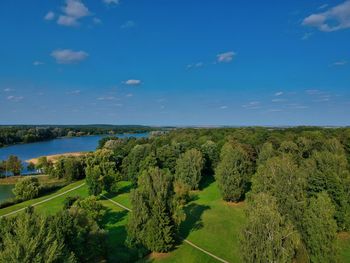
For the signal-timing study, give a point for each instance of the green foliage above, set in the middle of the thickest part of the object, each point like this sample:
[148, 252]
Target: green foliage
[189, 168]
[94, 179]
[13, 165]
[233, 172]
[92, 207]
[281, 178]
[27, 188]
[329, 172]
[320, 229]
[267, 236]
[211, 156]
[68, 168]
[132, 163]
[101, 172]
[28, 238]
[266, 152]
[155, 217]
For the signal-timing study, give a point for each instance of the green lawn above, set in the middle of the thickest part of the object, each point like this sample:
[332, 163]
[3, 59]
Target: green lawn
[211, 224]
[47, 205]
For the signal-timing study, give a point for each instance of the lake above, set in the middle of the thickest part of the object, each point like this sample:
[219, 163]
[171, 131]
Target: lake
[6, 192]
[57, 146]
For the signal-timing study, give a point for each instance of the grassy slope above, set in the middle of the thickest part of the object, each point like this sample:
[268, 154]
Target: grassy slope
[344, 246]
[33, 201]
[205, 227]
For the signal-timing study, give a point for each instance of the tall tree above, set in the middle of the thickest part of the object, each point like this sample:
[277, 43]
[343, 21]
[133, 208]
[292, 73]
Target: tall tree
[155, 217]
[320, 229]
[29, 238]
[267, 235]
[189, 168]
[14, 165]
[233, 172]
[94, 179]
[281, 177]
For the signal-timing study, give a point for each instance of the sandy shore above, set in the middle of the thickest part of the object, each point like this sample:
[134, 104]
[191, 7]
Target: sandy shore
[54, 157]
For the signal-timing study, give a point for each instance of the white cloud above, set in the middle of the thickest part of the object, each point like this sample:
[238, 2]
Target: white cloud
[335, 18]
[38, 63]
[280, 93]
[73, 11]
[278, 100]
[306, 36]
[129, 95]
[74, 92]
[225, 57]
[75, 8]
[196, 65]
[111, 2]
[323, 6]
[253, 105]
[96, 21]
[67, 21]
[68, 56]
[15, 98]
[8, 90]
[133, 82]
[107, 98]
[224, 107]
[340, 63]
[49, 16]
[128, 24]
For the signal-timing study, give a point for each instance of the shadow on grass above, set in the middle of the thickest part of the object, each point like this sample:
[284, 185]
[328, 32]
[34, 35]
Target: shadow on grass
[116, 237]
[206, 181]
[122, 190]
[193, 220]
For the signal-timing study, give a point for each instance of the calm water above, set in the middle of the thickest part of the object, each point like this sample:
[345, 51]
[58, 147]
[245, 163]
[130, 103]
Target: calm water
[6, 192]
[57, 146]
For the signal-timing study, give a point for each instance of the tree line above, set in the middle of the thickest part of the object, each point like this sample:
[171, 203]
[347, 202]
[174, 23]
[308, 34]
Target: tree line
[10, 135]
[295, 183]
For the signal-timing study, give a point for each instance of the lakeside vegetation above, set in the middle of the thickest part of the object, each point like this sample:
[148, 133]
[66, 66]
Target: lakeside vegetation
[216, 188]
[15, 134]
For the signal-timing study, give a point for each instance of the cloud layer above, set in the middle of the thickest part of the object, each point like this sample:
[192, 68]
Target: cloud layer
[333, 19]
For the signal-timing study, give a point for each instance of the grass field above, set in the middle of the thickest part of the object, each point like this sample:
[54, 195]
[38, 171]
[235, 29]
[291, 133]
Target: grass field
[211, 224]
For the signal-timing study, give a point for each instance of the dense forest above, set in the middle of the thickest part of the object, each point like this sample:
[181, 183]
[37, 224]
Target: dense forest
[26, 133]
[295, 183]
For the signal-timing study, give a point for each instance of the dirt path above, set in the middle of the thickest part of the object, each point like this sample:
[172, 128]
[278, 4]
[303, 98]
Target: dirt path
[185, 240]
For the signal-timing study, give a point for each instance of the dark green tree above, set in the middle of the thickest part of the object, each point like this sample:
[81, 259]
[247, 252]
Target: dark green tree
[94, 179]
[156, 215]
[233, 172]
[189, 168]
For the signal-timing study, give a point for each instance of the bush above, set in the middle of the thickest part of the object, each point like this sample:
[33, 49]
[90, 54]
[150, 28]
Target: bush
[27, 188]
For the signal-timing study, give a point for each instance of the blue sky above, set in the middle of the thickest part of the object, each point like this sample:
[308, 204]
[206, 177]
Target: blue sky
[166, 62]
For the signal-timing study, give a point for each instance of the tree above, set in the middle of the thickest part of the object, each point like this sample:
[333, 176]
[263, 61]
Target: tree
[27, 188]
[211, 156]
[233, 172]
[281, 178]
[94, 179]
[92, 207]
[320, 229]
[267, 235]
[131, 163]
[28, 238]
[189, 168]
[266, 152]
[156, 214]
[43, 164]
[14, 165]
[31, 167]
[328, 172]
